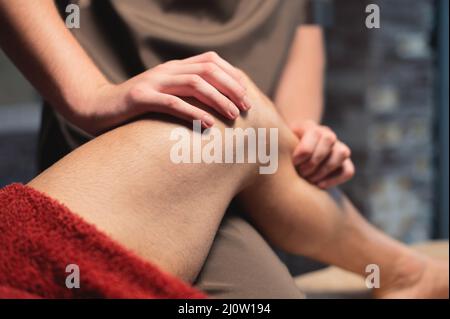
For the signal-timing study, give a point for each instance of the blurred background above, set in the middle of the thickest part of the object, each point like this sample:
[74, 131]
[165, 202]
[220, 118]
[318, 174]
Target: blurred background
[386, 96]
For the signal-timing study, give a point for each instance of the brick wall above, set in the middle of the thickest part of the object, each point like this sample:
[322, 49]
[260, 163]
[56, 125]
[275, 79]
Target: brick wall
[380, 100]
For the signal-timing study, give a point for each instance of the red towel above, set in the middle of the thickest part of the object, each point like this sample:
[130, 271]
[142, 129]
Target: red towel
[39, 237]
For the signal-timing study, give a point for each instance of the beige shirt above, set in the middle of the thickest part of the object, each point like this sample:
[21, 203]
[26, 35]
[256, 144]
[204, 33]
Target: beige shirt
[125, 38]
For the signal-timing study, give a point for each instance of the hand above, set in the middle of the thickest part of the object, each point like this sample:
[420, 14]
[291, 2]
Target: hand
[206, 77]
[320, 157]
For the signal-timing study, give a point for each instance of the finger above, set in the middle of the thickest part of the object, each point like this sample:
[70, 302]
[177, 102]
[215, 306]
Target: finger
[341, 176]
[218, 78]
[215, 58]
[306, 147]
[339, 154]
[321, 152]
[304, 127]
[172, 105]
[195, 86]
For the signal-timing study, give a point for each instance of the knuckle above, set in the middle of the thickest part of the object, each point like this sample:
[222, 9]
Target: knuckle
[349, 172]
[306, 151]
[136, 93]
[170, 63]
[317, 131]
[330, 137]
[240, 92]
[346, 152]
[212, 56]
[161, 67]
[328, 167]
[192, 114]
[170, 102]
[314, 161]
[305, 169]
[318, 175]
[341, 154]
[326, 130]
[209, 68]
[194, 81]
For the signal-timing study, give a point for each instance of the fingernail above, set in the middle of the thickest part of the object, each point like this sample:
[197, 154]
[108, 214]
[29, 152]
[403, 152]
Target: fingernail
[234, 112]
[246, 104]
[208, 120]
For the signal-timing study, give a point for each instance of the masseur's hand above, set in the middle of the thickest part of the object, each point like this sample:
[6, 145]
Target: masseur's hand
[320, 157]
[207, 77]
[37, 40]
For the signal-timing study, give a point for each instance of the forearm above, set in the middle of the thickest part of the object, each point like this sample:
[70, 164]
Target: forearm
[35, 38]
[300, 92]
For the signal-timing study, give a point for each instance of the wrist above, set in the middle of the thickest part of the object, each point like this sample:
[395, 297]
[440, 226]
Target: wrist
[301, 124]
[91, 108]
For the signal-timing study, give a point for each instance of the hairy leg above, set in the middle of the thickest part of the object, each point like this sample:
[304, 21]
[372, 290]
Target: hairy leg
[328, 228]
[302, 219]
[125, 183]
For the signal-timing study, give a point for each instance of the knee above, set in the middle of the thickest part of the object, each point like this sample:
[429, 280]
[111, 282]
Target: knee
[257, 137]
[263, 118]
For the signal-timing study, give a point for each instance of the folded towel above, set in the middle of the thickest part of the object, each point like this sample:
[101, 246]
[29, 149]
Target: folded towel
[40, 237]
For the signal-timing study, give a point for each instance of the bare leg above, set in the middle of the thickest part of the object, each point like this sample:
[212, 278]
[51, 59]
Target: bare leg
[125, 183]
[328, 228]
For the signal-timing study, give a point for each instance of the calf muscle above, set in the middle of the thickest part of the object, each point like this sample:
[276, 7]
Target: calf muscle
[125, 183]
